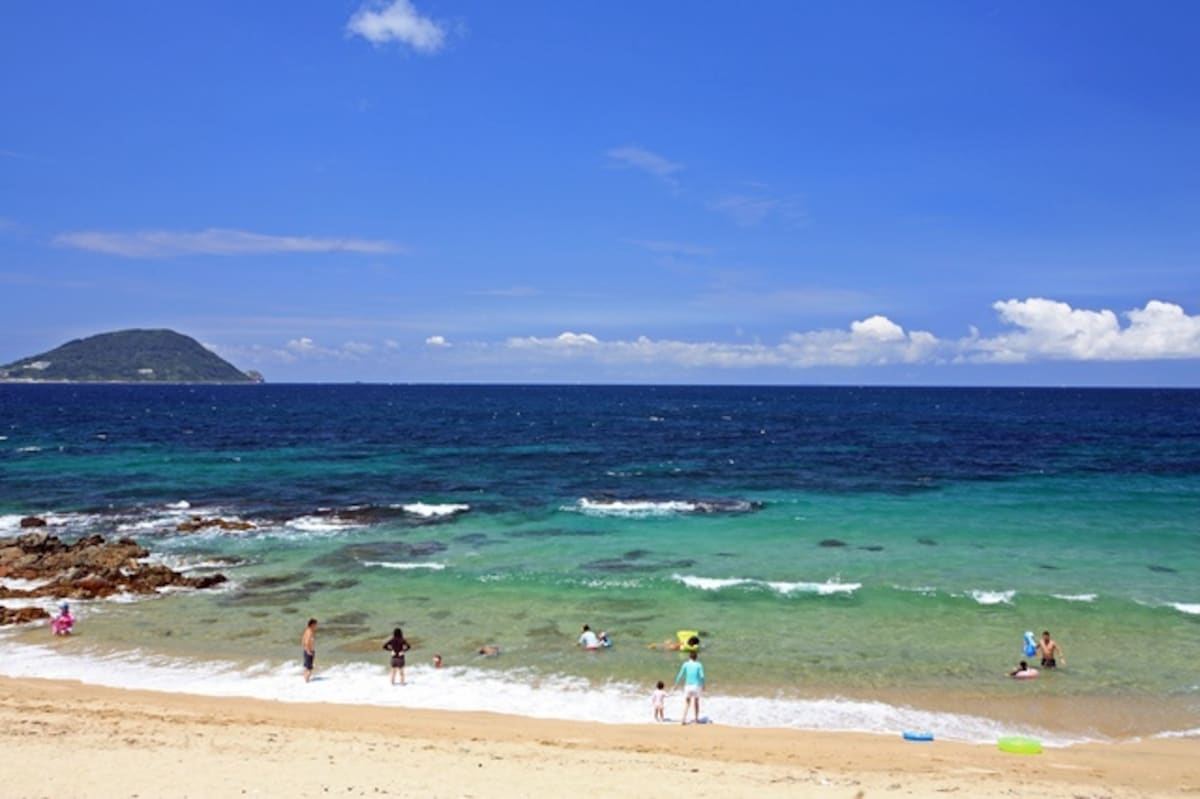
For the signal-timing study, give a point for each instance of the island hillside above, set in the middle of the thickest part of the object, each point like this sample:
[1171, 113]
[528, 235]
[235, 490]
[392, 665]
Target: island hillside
[129, 356]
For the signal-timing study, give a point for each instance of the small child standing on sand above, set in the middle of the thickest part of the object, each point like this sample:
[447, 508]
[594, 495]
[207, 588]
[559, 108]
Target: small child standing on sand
[657, 700]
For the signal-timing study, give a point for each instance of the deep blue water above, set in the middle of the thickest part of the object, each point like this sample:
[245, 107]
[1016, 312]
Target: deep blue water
[820, 536]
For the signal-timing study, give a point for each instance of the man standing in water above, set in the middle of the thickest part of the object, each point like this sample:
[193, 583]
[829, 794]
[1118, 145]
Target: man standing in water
[308, 642]
[691, 673]
[1050, 651]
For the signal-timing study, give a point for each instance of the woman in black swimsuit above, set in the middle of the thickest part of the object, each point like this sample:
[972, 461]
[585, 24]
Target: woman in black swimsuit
[398, 647]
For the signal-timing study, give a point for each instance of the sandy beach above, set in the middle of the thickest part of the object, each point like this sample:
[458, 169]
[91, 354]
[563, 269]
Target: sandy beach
[63, 738]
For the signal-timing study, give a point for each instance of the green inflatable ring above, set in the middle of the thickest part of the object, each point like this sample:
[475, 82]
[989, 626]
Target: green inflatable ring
[1017, 745]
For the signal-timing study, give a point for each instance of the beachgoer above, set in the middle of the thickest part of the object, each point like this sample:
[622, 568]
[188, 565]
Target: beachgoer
[398, 647]
[588, 639]
[437, 661]
[691, 673]
[308, 643]
[1051, 652]
[657, 700]
[1023, 672]
[63, 622]
[491, 650]
[674, 644]
[603, 639]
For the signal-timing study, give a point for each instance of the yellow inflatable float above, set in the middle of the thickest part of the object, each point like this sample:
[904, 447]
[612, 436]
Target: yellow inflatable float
[683, 641]
[1018, 745]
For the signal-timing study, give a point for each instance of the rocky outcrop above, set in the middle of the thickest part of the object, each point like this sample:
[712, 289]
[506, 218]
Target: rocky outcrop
[21, 615]
[197, 523]
[32, 521]
[89, 568]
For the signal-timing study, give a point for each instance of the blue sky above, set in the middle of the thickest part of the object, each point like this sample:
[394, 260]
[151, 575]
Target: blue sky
[441, 190]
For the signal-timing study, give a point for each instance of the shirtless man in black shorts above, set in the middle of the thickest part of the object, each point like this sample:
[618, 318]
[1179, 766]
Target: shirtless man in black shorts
[308, 646]
[1050, 651]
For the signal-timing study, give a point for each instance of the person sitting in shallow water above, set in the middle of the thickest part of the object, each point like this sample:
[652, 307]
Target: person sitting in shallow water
[64, 622]
[491, 650]
[1023, 672]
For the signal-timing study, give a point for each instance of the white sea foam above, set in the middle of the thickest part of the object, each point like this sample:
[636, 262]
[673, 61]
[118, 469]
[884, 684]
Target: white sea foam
[1076, 597]
[319, 524]
[515, 692]
[1192, 733]
[993, 597]
[631, 508]
[437, 567]
[602, 583]
[16, 584]
[827, 588]
[29, 449]
[1190, 608]
[824, 589]
[182, 504]
[431, 511]
[924, 590]
[187, 563]
[63, 522]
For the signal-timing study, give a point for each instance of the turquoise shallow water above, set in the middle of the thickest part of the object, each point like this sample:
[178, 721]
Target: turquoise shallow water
[861, 542]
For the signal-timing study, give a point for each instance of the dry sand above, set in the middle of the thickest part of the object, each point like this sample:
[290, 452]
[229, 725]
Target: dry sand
[63, 739]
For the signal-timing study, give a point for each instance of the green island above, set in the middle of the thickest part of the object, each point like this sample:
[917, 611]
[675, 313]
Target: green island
[128, 356]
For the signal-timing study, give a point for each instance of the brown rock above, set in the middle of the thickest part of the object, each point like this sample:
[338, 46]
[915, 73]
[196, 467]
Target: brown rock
[88, 568]
[197, 523]
[208, 581]
[21, 615]
[33, 521]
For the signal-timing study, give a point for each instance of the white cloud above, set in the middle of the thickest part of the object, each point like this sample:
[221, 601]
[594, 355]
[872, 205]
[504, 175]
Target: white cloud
[1035, 330]
[877, 340]
[1047, 331]
[749, 210]
[397, 21]
[303, 344]
[357, 348]
[563, 341]
[632, 156]
[213, 241]
[672, 247]
[1050, 330]
[513, 291]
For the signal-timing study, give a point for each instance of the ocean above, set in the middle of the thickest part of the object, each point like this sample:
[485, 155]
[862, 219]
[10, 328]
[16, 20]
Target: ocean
[855, 558]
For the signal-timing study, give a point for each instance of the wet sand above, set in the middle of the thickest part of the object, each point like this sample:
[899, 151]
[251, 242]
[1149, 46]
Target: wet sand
[62, 738]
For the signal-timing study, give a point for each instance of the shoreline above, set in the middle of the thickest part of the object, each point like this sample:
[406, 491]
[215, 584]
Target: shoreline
[1058, 720]
[180, 744]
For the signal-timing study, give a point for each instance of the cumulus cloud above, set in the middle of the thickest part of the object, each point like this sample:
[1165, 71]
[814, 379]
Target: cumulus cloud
[397, 21]
[1051, 330]
[876, 340]
[437, 341]
[1045, 330]
[213, 241]
[632, 156]
[563, 341]
[303, 344]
